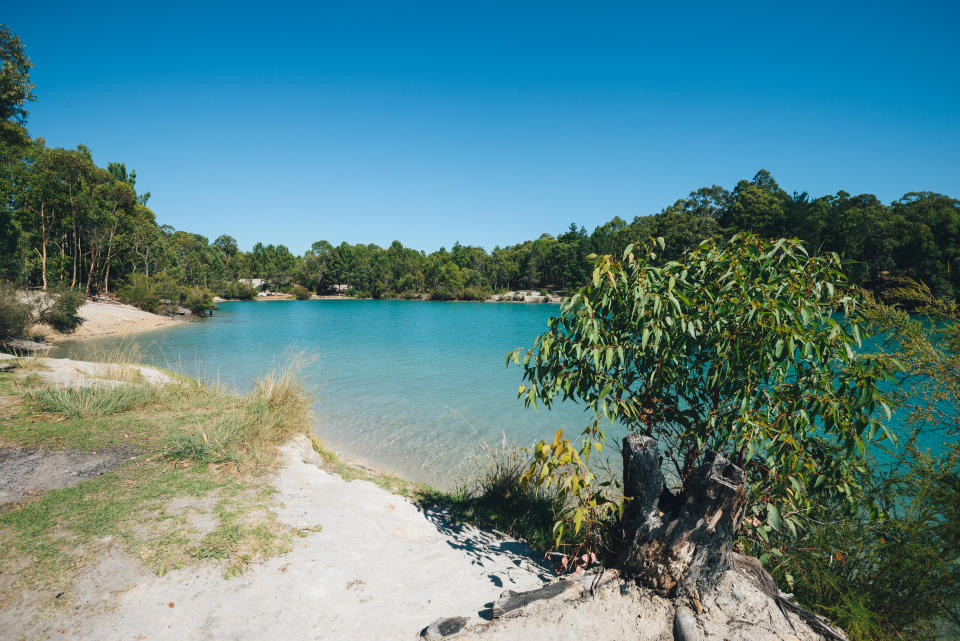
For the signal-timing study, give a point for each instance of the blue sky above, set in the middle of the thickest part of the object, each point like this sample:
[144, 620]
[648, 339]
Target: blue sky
[490, 122]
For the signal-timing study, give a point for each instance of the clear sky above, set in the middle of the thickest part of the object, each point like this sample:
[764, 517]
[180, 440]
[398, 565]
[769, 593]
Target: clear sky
[490, 122]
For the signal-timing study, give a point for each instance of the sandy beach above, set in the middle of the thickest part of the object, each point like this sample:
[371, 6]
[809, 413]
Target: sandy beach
[366, 564]
[102, 318]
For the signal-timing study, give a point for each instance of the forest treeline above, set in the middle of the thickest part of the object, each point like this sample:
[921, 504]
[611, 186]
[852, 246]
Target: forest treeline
[66, 222]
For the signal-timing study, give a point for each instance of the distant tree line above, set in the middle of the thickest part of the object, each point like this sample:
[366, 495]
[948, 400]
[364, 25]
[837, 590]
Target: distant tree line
[65, 222]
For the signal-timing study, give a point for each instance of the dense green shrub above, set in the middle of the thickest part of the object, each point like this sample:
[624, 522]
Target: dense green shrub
[235, 290]
[59, 309]
[300, 293]
[140, 291]
[164, 294]
[733, 348]
[443, 294]
[473, 293]
[198, 301]
[891, 570]
[16, 316]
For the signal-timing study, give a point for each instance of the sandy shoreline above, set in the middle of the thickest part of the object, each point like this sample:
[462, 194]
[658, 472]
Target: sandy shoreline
[366, 564]
[112, 319]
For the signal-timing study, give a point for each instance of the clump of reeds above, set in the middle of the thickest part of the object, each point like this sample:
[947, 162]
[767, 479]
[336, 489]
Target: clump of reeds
[247, 429]
[118, 360]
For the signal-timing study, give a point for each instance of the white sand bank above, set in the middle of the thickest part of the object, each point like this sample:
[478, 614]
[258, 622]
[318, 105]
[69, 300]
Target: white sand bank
[113, 319]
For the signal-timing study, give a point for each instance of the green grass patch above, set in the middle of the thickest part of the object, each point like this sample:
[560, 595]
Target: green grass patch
[195, 491]
[92, 401]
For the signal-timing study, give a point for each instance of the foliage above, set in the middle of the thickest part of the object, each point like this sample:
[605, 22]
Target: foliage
[198, 300]
[15, 86]
[300, 293]
[16, 315]
[59, 309]
[162, 293]
[732, 348]
[891, 570]
[235, 290]
[140, 291]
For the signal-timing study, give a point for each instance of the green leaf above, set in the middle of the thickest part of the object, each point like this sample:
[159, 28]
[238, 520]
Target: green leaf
[773, 516]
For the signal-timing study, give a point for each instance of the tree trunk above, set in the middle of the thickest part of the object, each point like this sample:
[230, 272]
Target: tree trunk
[76, 254]
[673, 543]
[43, 243]
[93, 266]
[106, 276]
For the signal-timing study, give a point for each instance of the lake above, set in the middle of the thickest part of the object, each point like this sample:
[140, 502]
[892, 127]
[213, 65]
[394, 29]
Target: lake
[411, 388]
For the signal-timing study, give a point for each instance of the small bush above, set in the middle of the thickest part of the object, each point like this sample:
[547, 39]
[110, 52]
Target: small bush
[140, 291]
[473, 293]
[443, 294]
[16, 316]
[152, 293]
[59, 310]
[235, 290]
[300, 293]
[198, 301]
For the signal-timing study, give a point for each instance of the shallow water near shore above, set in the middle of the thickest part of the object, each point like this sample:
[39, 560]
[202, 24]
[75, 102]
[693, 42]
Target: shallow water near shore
[408, 387]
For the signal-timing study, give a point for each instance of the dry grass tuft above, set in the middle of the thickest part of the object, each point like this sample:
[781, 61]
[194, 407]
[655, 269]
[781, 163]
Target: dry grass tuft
[248, 429]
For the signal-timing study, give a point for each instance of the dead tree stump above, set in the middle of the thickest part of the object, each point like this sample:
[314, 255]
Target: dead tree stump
[672, 543]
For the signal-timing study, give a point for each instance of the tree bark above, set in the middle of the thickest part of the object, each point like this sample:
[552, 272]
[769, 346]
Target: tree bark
[93, 266]
[106, 276]
[43, 245]
[673, 543]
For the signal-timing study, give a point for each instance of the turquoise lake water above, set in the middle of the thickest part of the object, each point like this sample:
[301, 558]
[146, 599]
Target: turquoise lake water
[408, 387]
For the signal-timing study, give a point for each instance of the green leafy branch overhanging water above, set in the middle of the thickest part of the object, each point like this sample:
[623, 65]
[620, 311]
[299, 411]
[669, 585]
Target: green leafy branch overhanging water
[733, 348]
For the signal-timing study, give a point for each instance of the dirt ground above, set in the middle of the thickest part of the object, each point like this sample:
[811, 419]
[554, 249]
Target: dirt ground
[29, 472]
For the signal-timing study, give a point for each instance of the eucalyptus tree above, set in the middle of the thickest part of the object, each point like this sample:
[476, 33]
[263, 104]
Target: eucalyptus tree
[16, 88]
[746, 348]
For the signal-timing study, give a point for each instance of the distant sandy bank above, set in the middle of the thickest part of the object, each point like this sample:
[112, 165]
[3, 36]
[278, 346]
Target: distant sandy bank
[112, 319]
